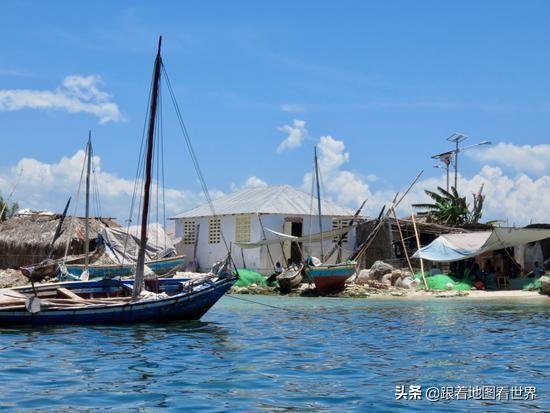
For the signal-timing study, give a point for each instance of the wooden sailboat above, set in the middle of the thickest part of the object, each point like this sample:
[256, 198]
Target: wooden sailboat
[90, 271]
[328, 278]
[116, 301]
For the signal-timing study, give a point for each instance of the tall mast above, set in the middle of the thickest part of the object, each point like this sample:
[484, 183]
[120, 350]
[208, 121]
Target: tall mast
[87, 219]
[319, 204]
[140, 267]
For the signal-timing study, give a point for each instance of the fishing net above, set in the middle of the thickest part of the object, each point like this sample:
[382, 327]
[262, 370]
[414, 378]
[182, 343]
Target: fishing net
[440, 281]
[533, 285]
[248, 277]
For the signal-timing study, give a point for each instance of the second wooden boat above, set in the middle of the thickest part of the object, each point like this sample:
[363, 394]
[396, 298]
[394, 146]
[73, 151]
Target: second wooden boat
[159, 267]
[290, 279]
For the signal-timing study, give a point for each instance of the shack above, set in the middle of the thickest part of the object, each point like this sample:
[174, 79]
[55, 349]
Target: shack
[387, 245]
[247, 215]
[498, 258]
[25, 239]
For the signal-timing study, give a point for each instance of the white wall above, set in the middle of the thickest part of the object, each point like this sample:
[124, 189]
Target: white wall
[257, 259]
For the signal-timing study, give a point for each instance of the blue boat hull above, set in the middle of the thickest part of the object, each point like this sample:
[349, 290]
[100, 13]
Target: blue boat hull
[187, 305]
[159, 267]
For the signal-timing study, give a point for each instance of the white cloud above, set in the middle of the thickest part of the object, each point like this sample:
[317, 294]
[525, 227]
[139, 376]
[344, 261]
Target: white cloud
[251, 182]
[518, 199]
[292, 108]
[533, 159]
[345, 187]
[45, 186]
[296, 133]
[75, 95]
[255, 182]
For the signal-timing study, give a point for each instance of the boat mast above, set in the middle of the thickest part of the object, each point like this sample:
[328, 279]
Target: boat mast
[140, 266]
[87, 218]
[319, 203]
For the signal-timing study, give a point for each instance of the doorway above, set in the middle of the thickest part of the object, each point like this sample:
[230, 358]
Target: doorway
[296, 247]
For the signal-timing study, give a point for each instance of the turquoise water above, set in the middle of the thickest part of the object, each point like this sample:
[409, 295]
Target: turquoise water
[322, 355]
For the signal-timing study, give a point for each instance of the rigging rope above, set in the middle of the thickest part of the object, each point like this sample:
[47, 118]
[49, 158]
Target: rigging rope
[196, 165]
[75, 206]
[288, 310]
[139, 173]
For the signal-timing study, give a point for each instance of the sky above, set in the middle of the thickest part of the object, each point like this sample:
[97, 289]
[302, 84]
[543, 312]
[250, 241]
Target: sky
[377, 86]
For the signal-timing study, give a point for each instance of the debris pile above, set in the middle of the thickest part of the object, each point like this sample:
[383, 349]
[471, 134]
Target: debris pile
[384, 276]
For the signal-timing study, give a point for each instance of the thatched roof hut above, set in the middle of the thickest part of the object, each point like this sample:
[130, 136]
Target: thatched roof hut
[25, 239]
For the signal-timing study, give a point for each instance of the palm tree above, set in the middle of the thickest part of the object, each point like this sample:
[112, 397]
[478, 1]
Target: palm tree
[449, 208]
[6, 210]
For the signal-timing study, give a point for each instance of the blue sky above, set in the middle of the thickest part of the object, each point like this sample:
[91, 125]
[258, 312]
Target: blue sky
[389, 80]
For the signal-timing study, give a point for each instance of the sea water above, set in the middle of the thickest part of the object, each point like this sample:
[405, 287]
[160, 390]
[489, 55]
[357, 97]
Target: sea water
[314, 354]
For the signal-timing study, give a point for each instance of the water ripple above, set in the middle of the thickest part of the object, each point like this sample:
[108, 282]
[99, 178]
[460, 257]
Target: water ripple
[322, 355]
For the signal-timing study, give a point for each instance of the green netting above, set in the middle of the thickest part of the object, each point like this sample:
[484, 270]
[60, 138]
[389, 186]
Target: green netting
[248, 277]
[533, 285]
[440, 281]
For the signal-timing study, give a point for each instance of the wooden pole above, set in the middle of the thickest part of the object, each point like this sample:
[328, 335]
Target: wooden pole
[87, 218]
[402, 240]
[319, 204]
[338, 245]
[418, 245]
[140, 265]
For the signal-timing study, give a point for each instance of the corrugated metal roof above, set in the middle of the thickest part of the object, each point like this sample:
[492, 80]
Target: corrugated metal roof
[282, 199]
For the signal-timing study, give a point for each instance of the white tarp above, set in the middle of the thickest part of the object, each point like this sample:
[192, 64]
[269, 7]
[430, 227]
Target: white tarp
[280, 237]
[456, 247]
[123, 245]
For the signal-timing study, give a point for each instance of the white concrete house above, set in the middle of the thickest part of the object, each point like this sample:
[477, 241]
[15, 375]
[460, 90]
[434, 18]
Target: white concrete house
[240, 216]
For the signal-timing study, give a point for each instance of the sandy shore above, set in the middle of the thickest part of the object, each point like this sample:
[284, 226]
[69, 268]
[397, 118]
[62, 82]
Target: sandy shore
[477, 295]
[13, 278]
[362, 291]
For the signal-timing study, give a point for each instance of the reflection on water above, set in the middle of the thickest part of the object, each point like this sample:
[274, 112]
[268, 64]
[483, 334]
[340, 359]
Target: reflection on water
[323, 354]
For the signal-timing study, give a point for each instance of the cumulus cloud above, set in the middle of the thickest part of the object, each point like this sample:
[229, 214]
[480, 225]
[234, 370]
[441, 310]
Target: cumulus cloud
[251, 182]
[292, 108]
[517, 199]
[76, 94]
[532, 159]
[344, 186]
[255, 182]
[296, 133]
[47, 186]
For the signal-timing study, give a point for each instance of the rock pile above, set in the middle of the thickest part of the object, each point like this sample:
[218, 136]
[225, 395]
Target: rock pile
[384, 276]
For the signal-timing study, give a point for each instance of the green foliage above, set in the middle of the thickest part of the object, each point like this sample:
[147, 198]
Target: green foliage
[449, 208]
[7, 210]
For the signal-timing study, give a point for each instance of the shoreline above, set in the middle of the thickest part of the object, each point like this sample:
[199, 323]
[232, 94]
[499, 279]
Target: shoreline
[13, 278]
[354, 291]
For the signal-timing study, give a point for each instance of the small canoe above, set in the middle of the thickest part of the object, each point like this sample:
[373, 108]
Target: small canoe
[159, 267]
[290, 278]
[46, 268]
[331, 278]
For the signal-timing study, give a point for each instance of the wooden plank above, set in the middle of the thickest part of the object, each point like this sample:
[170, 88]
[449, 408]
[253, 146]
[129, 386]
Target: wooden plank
[69, 294]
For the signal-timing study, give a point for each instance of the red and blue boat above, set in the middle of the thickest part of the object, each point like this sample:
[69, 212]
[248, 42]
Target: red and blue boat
[331, 278]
